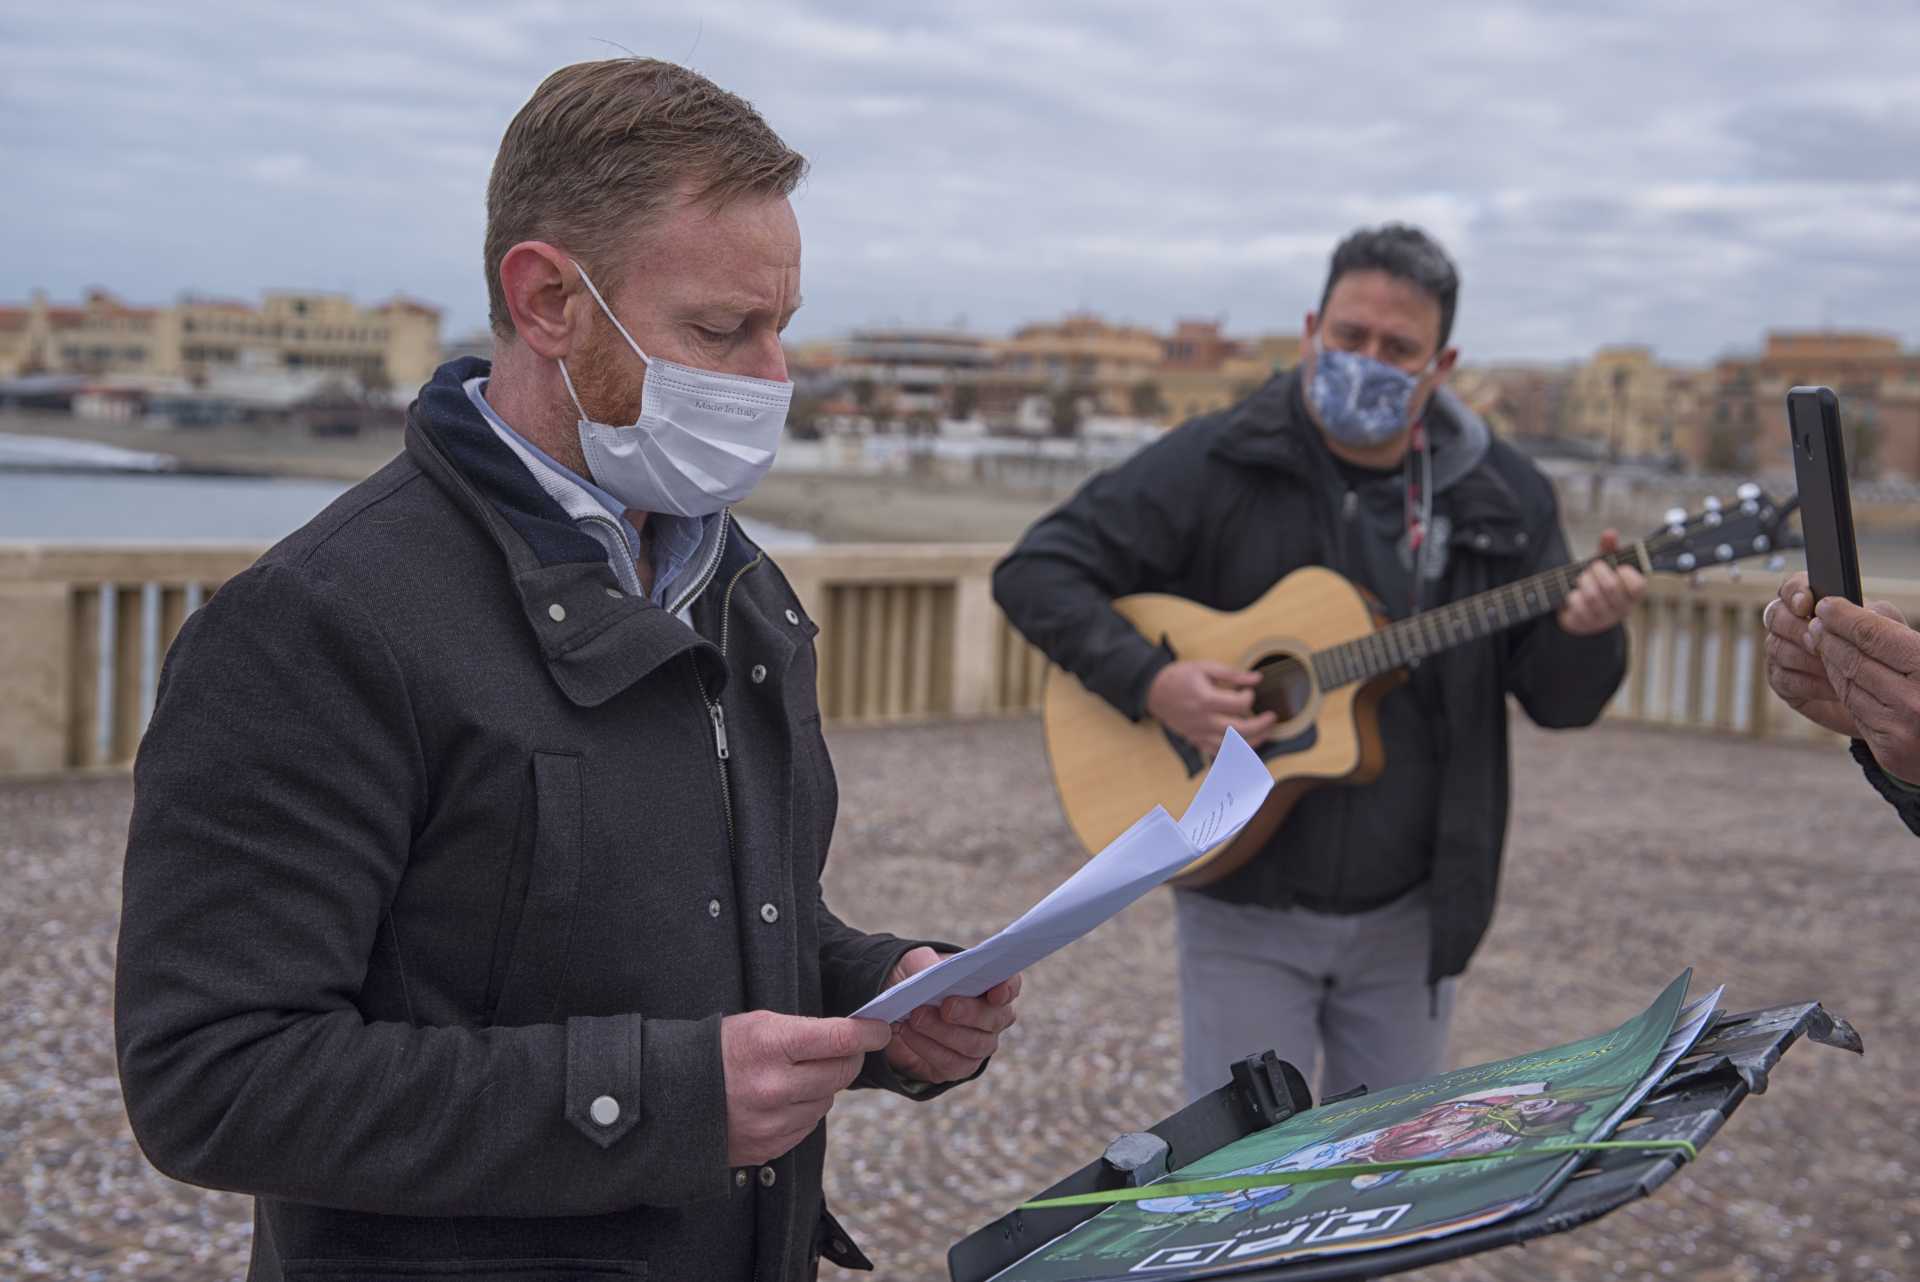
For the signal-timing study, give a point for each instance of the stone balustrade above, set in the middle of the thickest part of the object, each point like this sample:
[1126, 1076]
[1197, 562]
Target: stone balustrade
[908, 632]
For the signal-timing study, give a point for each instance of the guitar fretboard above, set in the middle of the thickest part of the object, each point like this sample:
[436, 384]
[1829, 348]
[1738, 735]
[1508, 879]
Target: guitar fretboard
[1442, 628]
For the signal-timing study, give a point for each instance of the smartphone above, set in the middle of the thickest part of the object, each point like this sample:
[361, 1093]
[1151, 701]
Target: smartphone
[1826, 508]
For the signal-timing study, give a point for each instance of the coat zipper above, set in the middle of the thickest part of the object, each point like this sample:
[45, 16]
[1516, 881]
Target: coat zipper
[712, 567]
[721, 753]
[622, 566]
[727, 600]
[715, 713]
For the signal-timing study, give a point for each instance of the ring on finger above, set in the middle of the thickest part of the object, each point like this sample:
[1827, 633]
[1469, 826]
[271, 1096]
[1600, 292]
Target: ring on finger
[1766, 615]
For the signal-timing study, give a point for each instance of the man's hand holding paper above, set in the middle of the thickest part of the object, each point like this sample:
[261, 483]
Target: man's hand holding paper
[950, 1008]
[949, 1041]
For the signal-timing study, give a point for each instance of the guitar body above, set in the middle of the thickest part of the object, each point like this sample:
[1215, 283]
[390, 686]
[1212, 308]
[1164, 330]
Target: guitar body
[1109, 769]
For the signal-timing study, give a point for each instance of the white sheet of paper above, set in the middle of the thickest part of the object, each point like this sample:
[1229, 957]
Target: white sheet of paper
[1145, 855]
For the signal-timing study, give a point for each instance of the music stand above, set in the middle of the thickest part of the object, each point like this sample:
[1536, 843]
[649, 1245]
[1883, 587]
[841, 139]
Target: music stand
[1731, 1061]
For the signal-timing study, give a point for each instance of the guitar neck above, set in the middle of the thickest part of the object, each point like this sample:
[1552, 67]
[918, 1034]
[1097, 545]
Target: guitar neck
[1442, 628]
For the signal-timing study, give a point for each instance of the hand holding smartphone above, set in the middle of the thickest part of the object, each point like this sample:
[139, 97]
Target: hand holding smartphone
[1826, 507]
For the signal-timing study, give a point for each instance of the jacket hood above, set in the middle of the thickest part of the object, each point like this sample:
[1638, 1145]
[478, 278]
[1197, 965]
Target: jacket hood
[446, 416]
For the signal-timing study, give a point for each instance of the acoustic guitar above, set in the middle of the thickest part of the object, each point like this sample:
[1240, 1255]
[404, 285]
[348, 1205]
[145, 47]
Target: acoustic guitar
[1325, 655]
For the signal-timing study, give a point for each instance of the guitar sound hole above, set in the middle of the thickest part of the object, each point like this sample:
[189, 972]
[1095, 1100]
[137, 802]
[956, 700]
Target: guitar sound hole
[1285, 686]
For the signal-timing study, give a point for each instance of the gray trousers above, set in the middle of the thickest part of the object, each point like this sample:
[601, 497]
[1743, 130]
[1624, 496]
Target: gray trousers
[1348, 993]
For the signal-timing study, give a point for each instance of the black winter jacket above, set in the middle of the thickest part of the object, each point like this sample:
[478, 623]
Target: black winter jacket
[1225, 506]
[1904, 799]
[432, 849]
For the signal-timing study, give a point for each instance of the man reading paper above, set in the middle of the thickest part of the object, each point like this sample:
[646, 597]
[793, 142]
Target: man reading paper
[473, 918]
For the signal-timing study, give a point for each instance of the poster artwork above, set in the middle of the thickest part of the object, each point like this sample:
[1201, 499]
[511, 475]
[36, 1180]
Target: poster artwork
[1574, 1092]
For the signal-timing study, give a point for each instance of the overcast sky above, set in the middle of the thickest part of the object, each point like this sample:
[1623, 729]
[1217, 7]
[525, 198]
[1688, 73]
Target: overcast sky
[1626, 174]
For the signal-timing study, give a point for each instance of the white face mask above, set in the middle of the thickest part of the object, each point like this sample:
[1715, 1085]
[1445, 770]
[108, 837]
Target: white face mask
[703, 441]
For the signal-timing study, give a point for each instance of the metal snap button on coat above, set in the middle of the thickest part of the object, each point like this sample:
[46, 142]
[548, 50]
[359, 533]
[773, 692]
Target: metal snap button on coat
[1482, 540]
[758, 674]
[793, 618]
[604, 1111]
[740, 1178]
[767, 1177]
[557, 612]
[769, 914]
[616, 594]
[713, 908]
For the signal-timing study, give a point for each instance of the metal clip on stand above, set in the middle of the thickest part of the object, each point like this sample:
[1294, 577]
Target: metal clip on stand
[1265, 1089]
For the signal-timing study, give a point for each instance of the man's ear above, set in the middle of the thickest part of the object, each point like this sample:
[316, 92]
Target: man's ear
[1443, 365]
[539, 285]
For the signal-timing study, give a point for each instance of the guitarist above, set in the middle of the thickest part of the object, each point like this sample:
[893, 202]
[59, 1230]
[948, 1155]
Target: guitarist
[1341, 941]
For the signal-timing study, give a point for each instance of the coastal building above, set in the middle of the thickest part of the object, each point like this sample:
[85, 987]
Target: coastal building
[1879, 388]
[1520, 402]
[923, 374]
[395, 344]
[1632, 406]
[1079, 366]
[1204, 370]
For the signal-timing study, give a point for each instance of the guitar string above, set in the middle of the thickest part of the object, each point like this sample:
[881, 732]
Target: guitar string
[1479, 615]
[1398, 643]
[1387, 648]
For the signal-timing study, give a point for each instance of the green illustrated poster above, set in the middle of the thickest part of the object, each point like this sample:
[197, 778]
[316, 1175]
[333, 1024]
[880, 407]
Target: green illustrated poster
[1571, 1093]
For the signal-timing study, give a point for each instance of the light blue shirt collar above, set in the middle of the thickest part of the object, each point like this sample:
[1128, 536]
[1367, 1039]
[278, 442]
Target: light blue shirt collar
[676, 539]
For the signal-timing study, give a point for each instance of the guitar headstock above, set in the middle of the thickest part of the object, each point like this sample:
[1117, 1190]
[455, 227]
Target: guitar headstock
[1722, 533]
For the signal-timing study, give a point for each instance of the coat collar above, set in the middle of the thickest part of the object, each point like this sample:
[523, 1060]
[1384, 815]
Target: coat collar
[596, 641]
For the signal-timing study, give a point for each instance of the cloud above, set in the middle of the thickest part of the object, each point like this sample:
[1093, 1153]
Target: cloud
[1684, 176]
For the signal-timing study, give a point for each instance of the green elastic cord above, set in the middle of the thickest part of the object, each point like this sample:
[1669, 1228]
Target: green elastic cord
[1897, 781]
[1277, 1179]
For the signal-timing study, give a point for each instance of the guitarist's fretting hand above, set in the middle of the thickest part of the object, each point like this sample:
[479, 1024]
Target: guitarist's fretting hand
[1198, 699]
[1604, 596]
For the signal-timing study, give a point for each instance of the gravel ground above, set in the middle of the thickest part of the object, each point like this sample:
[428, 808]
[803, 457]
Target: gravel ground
[1634, 853]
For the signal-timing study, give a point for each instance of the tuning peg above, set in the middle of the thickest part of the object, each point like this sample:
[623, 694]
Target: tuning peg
[1677, 518]
[1712, 503]
[1733, 573]
[1724, 552]
[1761, 543]
[1694, 580]
[1711, 517]
[1686, 560]
[1776, 563]
[1748, 492]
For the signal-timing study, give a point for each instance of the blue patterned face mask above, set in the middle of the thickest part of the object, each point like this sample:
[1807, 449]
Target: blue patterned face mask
[1360, 401]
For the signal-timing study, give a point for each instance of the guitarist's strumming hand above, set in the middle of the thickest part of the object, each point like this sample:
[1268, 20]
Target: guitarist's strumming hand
[1198, 699]
[1603, 596]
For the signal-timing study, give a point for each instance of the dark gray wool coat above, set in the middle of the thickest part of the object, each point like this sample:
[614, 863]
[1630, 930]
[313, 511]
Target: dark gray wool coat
[433, 848]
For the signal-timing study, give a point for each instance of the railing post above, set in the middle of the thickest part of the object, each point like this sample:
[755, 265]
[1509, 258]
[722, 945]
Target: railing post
[1727, 665]
[1639, 661]
[1696, 712]
[36, 677]
[975, 624]
[1759, 693]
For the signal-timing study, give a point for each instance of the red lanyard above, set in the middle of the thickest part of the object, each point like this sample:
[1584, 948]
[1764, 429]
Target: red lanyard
[1417, 508]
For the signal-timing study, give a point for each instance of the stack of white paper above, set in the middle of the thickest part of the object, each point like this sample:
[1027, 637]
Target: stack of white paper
[1136, 861]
